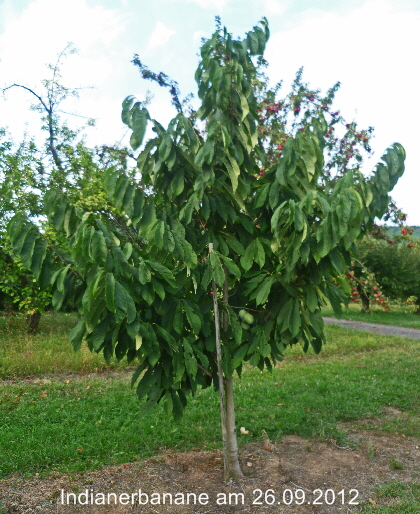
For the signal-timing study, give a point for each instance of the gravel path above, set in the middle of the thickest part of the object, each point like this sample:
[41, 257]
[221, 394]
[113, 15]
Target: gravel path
[388, 330]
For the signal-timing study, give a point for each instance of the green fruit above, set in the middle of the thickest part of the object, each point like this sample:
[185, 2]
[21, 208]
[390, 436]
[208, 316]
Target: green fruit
[244, 325]
[248, 318]
[242, 313]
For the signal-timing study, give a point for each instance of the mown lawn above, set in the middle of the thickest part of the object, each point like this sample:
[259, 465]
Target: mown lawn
[70, 423]
[48, 351]
[398, 315]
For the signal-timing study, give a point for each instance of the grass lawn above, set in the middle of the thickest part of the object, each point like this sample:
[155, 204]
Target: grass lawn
[403, 499]
[399, 315]
[48, 351]
[69, 424]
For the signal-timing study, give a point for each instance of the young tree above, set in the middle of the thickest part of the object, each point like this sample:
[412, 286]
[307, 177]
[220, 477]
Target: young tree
[144, 286]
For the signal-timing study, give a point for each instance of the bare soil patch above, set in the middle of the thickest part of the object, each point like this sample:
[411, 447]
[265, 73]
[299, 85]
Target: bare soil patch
[293, 463]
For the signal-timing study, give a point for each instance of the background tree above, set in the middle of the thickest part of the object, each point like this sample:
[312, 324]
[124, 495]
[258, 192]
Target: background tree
[21, 188]
[67, 164]
[395, 264]
[143, 286]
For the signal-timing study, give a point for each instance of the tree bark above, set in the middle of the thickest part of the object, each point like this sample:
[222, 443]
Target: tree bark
[221, 380]
[232, 467]
[235, 467]
[365, 303]
[33, 322]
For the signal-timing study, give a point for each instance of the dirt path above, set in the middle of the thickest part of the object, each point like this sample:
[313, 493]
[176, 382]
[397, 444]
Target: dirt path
[387, 330]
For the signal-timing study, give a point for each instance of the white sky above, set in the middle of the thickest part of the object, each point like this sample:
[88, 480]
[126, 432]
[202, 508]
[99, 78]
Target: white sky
[370, 46]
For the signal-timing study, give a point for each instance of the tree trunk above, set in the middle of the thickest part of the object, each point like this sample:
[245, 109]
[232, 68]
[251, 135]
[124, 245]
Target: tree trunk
[232, 467]
[33, 321]
[365, 303]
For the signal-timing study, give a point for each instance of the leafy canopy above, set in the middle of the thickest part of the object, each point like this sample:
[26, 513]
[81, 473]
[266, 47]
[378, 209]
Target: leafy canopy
[142, 280]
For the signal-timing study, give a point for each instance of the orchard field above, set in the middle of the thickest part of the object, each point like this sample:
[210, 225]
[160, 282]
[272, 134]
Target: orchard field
[196, 267]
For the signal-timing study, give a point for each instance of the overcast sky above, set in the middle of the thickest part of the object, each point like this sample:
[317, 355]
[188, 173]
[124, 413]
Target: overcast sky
[370, 46]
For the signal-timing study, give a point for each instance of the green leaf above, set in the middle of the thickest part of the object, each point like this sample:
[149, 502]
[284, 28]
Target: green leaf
[126, 107]
[193, 318]
[239, 356]
[248, 258]
[217, 269]
[312, 299]
[233, 170]
[178, 319]
[231, 266]
[283, 316]
[99, 250]
[294, 318]
[138, 123]
[131, 308]
[120, 302]
[97, 336]
[260, 253]
[157, 234]
[159, 289]
[77, 333]
[264, 290]
[244, 106]
[190, 359]
[86, 238]
[163, 271]
[148, 219]
[177, 406]
[253, 43]
[28, 247]
[261, 195]
[309, 157]
[18, 230]
[177, 184]
[234, 244]
[61, 277]
[120, 189]
[38, 256]
[110, 292]
[138, 203]
[144, 273]
[147, 294]
[323, 237]
[165, 147]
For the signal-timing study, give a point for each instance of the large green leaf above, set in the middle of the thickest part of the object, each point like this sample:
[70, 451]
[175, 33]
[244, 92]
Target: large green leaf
[294, 318]
[99, 249]
[138, 123]
[193, 316]
[110, 292]
[218, 273]
[77, 333]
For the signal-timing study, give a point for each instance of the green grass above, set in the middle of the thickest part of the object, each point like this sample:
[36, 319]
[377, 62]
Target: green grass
[93, 421]
[395, 498]
[46, 352]
[398, 315]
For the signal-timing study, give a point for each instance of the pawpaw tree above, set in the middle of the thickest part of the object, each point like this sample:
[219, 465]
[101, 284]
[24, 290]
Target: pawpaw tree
[205, 232]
